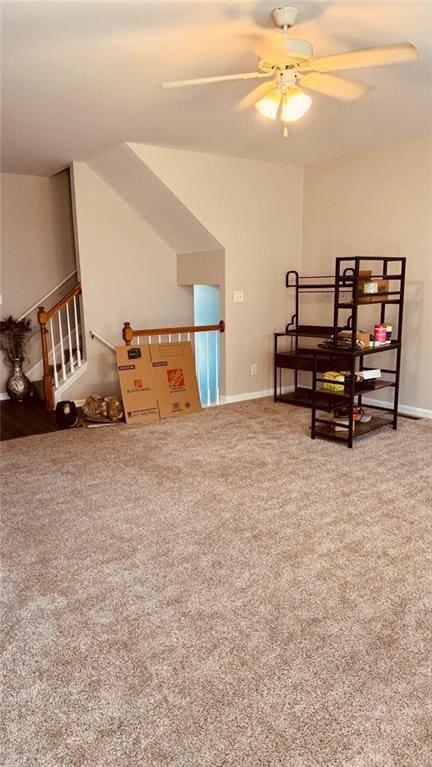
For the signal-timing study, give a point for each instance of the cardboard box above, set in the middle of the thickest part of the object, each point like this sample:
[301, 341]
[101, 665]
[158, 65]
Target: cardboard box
[371, 298]
[157, 381]
[136, 383]
[174, 379]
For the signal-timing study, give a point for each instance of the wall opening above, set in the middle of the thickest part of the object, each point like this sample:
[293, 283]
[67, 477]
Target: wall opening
[207, 345]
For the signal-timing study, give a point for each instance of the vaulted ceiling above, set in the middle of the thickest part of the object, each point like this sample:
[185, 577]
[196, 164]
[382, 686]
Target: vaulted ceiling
[81, 76]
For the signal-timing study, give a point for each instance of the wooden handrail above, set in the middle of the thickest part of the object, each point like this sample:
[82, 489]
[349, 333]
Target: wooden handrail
[128, 333]
[44, 316]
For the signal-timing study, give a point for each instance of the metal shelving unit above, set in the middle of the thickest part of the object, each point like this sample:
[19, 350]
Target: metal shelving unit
[300, 358]
[323, 358]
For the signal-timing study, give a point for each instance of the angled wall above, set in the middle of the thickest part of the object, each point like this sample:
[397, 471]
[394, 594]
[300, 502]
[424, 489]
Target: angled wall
[255, 210]
[128, 273]
[153, 201]
[234, 223]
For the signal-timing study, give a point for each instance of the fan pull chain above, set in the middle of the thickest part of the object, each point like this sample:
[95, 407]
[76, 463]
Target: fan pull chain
[285, 131]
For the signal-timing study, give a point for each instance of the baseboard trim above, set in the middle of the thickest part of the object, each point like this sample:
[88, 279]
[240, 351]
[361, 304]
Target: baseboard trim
[232, 398]
[417, 412]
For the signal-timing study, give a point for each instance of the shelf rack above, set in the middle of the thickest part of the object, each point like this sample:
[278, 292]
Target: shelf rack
[300, 358]
[323, 358]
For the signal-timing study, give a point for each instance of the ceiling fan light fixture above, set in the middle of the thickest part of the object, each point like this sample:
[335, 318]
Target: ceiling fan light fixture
[269, 105]
[295, 104]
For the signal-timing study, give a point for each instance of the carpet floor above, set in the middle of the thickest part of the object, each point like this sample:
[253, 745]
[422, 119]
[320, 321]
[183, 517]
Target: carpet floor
[217, 591]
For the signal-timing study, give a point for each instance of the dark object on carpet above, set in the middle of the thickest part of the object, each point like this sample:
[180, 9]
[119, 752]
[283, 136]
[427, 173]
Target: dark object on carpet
[66, 414]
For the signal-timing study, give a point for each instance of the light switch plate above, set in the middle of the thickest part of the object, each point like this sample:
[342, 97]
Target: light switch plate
[238, 296]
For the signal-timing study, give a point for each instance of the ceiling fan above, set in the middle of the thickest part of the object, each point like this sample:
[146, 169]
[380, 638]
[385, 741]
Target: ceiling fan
[290, 64]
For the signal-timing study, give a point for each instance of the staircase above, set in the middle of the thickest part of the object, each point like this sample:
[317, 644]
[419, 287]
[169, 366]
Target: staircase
[62, 348]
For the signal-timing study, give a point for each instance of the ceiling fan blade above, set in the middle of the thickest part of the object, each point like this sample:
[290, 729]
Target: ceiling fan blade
[218, 79]
[269, 46]
[368, 57]
[336, 87]
[251, 98]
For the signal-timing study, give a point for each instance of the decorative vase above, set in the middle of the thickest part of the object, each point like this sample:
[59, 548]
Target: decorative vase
[18, 386]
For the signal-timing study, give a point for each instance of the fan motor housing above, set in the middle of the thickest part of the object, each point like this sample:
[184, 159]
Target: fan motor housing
[291, 53]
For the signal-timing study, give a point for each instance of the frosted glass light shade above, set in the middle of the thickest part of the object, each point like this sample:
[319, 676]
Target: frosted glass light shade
[269, 105]
[295, 104]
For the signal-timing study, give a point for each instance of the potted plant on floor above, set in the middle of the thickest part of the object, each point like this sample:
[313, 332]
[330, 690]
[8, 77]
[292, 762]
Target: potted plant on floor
[14, 338]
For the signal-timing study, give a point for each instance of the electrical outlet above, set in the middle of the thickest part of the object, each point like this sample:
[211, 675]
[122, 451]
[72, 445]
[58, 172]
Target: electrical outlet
[238, 296]
[254, 369]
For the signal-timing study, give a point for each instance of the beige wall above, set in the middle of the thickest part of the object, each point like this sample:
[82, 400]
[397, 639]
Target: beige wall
[148, 196]
[128, 274]
[380, 203]
[37, 248]
[254, 209]
[203, 268]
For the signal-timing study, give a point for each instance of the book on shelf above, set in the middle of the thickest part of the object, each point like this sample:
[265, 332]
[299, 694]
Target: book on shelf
[338, 423]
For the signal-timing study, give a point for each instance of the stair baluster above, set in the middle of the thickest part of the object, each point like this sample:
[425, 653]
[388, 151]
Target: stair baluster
[53, 354]
[62, 354]
[71, 359]
[77, 331]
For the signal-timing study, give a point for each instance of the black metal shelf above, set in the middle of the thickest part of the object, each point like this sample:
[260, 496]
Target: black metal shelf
[303, 359]
[326, 429]
[311, 331]
[353, 392]
[365, 303]
[359, 352]
[385, 277]
[302, 397]
[359, 389]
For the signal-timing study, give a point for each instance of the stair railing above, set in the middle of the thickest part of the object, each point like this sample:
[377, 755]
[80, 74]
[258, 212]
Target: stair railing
[205, 341]
[68, 334]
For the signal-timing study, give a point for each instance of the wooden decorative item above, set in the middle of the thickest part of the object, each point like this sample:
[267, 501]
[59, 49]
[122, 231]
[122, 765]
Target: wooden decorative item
[95, 407]
[114, 408]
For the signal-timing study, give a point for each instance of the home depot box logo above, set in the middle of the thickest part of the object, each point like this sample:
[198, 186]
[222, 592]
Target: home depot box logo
[140, 400]
[175, 379]
[176, 384]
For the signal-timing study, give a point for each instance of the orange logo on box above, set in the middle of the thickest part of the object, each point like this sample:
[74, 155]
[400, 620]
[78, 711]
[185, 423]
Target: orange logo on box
[175, 378]
[138, 383]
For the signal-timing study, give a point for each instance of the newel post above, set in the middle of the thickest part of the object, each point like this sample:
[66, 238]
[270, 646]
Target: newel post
[47, 378]
[127, 333]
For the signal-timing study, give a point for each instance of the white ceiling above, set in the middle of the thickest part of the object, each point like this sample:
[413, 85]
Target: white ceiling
[80, 76]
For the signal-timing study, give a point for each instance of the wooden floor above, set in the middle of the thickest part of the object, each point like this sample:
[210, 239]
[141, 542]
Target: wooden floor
[23, 419]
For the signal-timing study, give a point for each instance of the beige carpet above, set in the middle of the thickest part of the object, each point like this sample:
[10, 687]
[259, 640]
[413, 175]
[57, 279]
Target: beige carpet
[217, 591]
